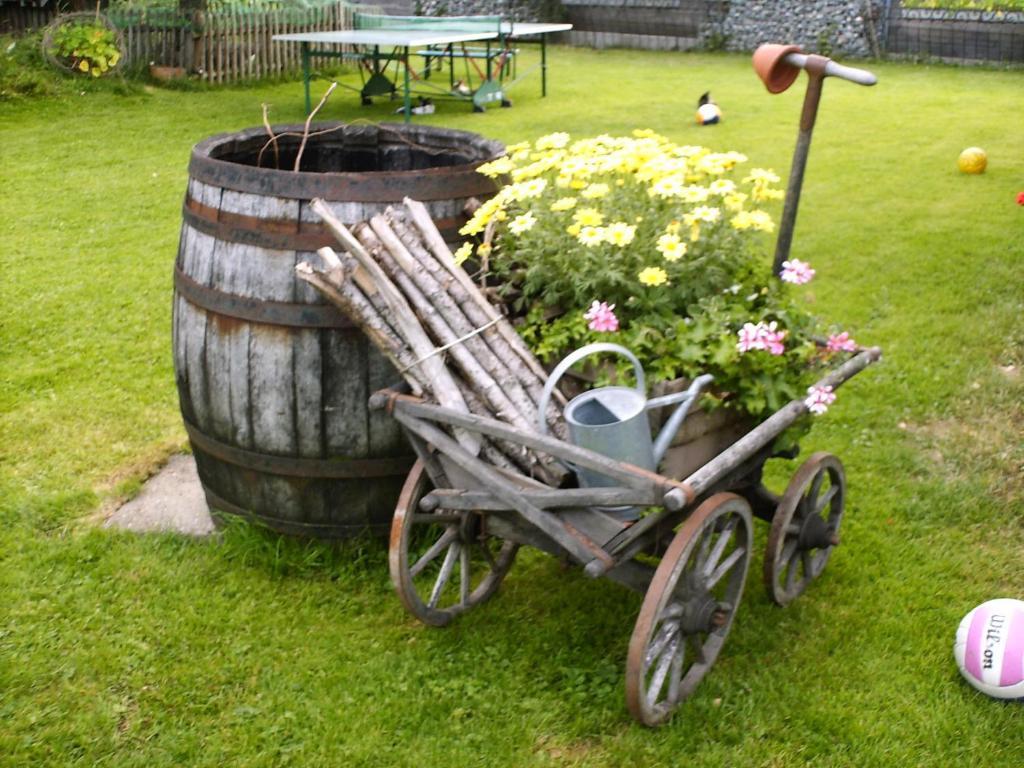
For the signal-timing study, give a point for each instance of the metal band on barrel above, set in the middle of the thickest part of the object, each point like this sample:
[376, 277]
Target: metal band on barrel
[296, 466]
[256, 310]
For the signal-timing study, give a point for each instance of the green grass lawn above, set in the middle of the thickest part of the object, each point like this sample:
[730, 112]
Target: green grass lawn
[127, 650]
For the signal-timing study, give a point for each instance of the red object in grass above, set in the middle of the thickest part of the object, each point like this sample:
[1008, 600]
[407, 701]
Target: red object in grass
[1020, 198]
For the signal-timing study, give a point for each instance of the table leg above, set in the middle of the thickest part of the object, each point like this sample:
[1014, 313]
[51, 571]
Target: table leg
[305, 75]
[543, 65]
[408, 99]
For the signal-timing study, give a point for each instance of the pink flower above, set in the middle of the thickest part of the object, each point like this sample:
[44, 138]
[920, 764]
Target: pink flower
[763, 336]
[602, 318]
[819, 399]
[1020, 198]
[841, 342]
[796, 272]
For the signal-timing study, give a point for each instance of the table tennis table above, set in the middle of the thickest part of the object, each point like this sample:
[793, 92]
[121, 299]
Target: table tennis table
[379, 41]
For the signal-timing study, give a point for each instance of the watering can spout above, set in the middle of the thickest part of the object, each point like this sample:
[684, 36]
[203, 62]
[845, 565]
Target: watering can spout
[686, 400]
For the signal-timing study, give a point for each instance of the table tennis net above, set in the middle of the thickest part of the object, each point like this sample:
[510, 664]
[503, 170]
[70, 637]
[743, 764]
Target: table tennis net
[428, 23]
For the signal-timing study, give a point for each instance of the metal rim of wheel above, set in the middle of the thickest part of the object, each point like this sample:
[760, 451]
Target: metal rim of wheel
[689, 608]
[805, 528]
[442, 562]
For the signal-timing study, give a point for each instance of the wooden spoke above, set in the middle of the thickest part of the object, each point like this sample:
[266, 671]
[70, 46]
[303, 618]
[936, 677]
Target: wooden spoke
[689, 608]
[442, 562]
[446, 573]
[805, 528]
[438, 547]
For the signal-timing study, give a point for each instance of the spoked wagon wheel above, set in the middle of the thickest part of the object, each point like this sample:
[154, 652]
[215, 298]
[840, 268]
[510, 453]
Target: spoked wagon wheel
[443, 562]
[805, 528]
[688, 608]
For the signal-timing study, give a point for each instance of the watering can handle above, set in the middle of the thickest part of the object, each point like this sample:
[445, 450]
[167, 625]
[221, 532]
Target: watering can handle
[570, 361]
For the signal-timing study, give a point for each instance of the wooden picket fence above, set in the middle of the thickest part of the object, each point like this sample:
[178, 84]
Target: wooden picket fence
[225, 45]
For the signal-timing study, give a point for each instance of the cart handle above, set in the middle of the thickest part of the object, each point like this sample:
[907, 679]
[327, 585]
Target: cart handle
[833, 69]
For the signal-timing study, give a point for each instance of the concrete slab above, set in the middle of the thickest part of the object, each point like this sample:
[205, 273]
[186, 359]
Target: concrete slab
[171, 501]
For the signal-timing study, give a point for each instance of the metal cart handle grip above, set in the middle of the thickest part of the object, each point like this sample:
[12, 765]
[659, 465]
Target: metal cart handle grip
[832, 69]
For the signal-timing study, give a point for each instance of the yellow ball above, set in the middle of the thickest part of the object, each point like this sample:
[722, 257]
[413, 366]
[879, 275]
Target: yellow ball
[972, 160]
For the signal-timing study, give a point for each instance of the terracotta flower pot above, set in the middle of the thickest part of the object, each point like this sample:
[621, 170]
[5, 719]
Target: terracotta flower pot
[166, 74]
[770, 65]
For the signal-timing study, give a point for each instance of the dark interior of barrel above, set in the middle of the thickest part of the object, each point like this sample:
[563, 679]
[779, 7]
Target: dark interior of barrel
[362, 152]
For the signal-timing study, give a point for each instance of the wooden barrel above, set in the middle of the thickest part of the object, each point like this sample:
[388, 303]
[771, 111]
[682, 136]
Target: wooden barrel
[273, 382]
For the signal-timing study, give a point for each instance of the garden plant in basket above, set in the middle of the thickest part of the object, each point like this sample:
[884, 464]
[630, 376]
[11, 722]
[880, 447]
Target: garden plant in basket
[658, 247]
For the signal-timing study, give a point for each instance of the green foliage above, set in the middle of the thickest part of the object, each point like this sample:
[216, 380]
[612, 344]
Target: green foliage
[23, 70]
[669, 236]
[966, 5]
[87, 48]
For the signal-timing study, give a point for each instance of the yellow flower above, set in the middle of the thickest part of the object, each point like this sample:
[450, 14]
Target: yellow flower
[594, 191]
[521, 146]
[591, 236]
[620, 233]
[703, 213]
[522, 223]
[734, 201]
[527, 189]
[672, 228]
[564, 204]
[588, 217]
[758, 220]
[694, 194]
[761, 176]
[667, 186]
[722, 187]
[484, 250]
[496, 168]
[671, 247]
[552, 141]
[695, 232]
[464, 252]
[574, 229]
[577, 184]
[653, 276]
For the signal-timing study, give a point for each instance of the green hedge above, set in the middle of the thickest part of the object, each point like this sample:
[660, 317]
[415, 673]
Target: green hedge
[970, 5]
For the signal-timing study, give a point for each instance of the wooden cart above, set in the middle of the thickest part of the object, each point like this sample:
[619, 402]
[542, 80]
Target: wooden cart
[459, 522]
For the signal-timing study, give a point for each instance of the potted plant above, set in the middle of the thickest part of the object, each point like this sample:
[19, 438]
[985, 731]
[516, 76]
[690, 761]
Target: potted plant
[83, 43]
[658, 247]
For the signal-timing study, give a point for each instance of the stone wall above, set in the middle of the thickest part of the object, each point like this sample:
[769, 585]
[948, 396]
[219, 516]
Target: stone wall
[518, 10]
[823, 26]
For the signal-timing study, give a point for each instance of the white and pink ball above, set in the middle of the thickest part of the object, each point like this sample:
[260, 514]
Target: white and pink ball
[989, 648]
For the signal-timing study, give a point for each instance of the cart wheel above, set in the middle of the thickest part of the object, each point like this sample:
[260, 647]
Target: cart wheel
[442, 563]
[805, 528]
[688, 608]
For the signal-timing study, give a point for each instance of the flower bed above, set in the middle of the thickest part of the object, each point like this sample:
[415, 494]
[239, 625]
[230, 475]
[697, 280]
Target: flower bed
[661, 248]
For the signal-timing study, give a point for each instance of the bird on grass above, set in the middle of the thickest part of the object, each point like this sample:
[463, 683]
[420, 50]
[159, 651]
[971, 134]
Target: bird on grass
[426, 107]
[708, 112]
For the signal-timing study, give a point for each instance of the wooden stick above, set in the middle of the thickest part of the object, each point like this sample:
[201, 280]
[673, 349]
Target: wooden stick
[456, 325]
[354, 304]
[474, 374]
[440, 380]
[421, 218]
[309, 119]
[476, 316]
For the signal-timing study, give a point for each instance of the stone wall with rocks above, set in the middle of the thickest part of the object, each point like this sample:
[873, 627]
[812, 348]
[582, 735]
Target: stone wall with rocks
[518, 10]
[822, 26]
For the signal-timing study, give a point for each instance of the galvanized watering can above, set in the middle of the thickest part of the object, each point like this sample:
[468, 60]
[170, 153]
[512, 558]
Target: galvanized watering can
[613, 420]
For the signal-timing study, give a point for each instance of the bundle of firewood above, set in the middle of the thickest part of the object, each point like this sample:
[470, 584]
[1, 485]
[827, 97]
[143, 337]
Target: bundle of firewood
[398, 281]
